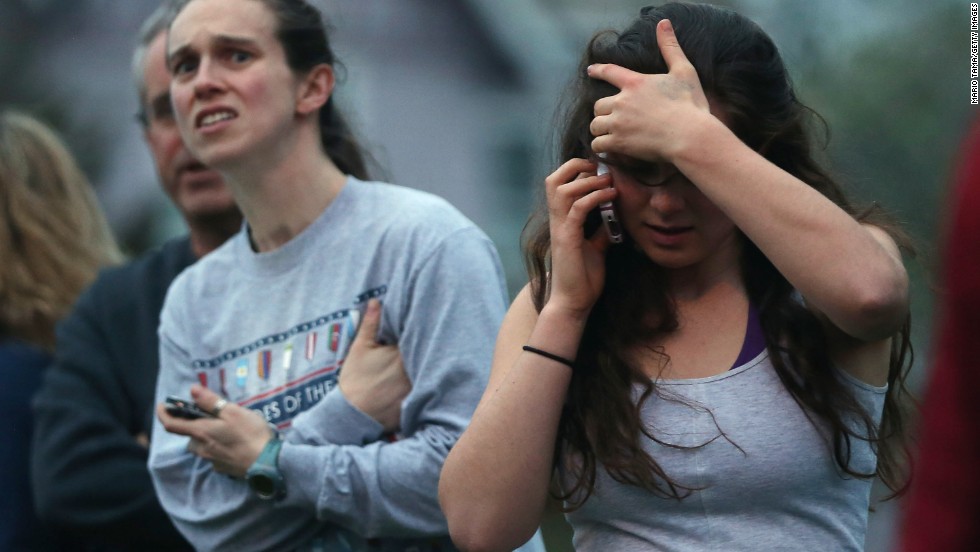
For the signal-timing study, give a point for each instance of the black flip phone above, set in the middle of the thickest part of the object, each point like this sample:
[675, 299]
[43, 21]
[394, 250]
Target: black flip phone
[185, 408]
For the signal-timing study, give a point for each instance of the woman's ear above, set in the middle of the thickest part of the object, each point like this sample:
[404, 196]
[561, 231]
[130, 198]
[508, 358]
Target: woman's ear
[315, 89]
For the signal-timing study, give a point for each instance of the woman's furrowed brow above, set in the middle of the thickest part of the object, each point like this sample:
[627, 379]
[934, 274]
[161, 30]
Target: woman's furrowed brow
[217, 40]
[228, 40]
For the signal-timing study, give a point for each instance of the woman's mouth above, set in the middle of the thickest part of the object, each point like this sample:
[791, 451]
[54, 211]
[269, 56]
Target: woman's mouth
[669, 235]
[211, 117]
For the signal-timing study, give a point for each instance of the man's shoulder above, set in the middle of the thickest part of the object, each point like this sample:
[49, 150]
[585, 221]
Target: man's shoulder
[148, 275]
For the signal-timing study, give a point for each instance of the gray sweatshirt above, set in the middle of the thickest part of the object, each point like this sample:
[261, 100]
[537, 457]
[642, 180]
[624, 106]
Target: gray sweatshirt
[270, 331]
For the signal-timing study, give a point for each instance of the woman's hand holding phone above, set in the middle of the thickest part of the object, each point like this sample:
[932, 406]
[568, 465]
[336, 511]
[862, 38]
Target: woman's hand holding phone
[577, 262]
[230, 438]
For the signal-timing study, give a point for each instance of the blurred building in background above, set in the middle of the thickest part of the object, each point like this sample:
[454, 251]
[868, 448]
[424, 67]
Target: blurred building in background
[458, 97]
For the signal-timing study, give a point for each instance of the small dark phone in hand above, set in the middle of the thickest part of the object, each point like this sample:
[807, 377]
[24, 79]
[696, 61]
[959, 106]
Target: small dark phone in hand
[185, 408]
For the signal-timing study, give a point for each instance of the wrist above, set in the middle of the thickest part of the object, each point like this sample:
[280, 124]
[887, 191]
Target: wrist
[263, 476]
[691, 143]
[567, 315]
[558, 331]
[260, 442]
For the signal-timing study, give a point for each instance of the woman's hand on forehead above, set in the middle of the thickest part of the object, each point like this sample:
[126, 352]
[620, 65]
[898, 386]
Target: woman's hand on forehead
[648, 116]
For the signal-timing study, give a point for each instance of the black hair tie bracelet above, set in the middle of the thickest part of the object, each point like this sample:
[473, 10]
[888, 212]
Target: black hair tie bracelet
[554, 357]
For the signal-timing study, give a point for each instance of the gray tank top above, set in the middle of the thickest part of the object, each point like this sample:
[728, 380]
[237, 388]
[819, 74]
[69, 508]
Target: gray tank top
[781, 491]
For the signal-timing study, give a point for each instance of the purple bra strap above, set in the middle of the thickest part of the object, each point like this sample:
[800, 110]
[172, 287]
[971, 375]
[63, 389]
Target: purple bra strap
[755, 340]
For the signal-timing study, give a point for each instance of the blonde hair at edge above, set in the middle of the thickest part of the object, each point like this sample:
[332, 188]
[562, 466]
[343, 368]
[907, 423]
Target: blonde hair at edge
[53, 236]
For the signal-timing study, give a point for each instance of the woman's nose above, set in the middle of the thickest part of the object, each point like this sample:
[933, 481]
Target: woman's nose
[667, 198]
[206, 81]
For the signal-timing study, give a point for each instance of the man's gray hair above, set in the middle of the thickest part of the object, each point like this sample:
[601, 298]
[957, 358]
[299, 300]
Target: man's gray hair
[156, 23]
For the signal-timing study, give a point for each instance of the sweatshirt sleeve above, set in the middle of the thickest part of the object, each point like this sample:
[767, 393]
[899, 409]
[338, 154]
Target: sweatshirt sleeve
[446, 329]
[89, 473]
[349, 425]
[213, 511]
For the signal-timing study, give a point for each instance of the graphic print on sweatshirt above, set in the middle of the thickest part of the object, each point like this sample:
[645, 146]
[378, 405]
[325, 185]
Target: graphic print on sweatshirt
[285, 373]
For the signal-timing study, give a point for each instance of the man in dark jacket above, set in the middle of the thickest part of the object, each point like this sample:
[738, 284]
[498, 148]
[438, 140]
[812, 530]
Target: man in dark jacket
[95, 409]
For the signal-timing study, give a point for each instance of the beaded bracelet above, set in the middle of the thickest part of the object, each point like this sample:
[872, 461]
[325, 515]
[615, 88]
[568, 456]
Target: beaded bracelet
[554, 357]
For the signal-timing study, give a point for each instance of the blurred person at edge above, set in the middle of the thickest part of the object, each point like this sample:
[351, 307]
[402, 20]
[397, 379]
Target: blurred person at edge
[942, 511]
[95, 408]
[53, 241]
[263, 332]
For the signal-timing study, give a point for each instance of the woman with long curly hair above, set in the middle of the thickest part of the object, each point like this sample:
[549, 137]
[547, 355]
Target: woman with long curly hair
[53, 241]
[732, 373]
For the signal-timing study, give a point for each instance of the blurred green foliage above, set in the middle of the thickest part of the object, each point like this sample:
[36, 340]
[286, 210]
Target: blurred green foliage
[898, 111]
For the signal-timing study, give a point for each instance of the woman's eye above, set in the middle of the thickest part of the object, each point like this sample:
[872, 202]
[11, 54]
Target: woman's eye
[183, 66]
[240, 57]
[655, 175]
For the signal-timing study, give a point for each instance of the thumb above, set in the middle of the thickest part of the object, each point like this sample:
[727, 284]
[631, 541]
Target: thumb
[368, 332]
[670, 49]
[204, 397]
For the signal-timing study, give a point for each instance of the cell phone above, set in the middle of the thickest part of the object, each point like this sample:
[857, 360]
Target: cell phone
[185, 408]
[606, 210]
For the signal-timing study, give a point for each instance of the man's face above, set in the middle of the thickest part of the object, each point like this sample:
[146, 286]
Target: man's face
[198, 192]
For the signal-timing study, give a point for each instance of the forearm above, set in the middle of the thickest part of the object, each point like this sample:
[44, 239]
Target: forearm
[213, 511]
[349, 426]
[382, 490]
[495, 483]
[376, 490]
[855, 278]
[216, 512]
